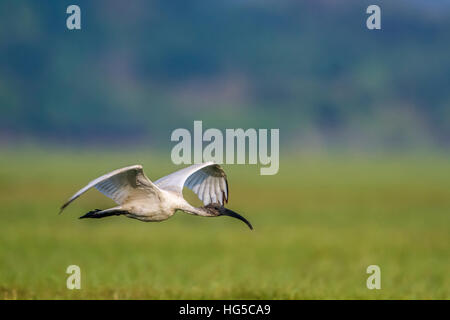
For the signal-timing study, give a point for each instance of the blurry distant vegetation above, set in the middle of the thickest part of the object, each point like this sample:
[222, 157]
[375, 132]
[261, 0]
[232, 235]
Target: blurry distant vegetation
[139, 69]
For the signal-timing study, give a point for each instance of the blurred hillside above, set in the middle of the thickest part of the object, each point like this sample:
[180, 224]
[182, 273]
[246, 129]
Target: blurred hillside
[139, 69]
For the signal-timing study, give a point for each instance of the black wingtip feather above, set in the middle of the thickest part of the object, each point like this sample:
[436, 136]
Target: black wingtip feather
[63, 207]
[228, 192]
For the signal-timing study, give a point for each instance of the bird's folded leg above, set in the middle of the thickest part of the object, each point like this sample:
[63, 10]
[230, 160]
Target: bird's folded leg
[90, 214]
[97, 213]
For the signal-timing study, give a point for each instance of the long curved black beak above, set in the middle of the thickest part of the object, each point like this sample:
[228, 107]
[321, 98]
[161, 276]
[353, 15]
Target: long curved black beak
[227, 212]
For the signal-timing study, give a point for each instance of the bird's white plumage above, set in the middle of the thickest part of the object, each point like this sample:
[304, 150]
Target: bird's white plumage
[142, 199]
[119, 185]
[207, 180]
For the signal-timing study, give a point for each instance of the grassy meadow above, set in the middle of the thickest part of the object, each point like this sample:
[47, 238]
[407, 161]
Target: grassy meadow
[318, 224]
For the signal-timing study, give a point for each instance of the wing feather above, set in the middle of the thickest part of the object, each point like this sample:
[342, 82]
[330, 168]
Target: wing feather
[212, 190]
[207, 180]
[119, 185]
[206, 192]
[201, 191]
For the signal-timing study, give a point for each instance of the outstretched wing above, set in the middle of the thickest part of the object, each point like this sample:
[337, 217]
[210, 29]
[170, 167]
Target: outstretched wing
[207, 180]
[119, 185]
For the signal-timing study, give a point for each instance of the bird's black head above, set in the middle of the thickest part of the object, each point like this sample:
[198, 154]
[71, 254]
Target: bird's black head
[219, 210]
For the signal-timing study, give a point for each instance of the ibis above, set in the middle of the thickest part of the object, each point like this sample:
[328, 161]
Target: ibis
[139, 198]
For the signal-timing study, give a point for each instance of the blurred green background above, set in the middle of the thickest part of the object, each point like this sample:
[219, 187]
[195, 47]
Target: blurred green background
[139, 69]
[364, 119]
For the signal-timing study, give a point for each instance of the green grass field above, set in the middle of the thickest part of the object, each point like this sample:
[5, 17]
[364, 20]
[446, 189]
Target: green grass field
[318, 224]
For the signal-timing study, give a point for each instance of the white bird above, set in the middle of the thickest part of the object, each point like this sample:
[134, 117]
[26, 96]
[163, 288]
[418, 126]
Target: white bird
[139, 198]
